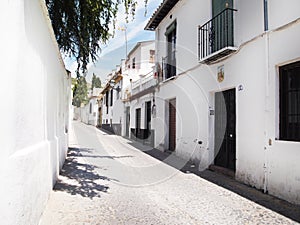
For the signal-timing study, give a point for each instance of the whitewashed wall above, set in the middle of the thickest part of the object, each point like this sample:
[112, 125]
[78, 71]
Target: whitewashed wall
[94, 114]
[116, 112]
[282, 156]
[288, 8]
[35, 98]
[85, 115]
[274, 167]
[141, 53]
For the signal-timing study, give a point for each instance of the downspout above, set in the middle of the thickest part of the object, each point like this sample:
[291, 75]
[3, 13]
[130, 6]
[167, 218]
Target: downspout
[268, 142]
[266, 17]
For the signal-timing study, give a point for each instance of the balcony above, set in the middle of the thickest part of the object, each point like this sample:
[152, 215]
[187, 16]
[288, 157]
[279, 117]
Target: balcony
[216, 37]
[143, 86]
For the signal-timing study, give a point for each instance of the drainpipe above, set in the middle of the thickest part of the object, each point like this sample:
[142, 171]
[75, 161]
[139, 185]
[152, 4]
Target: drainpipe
[266, 18]
[268, 142]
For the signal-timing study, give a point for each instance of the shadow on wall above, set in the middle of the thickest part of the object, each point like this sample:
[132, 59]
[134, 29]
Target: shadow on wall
[80, 178]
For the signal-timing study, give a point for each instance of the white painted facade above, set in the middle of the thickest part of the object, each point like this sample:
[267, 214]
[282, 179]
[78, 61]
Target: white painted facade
[89, 113]
[262, 160]
[112, 105]
[35, 102]
[143, 92]
[138, 66]
[140, 78]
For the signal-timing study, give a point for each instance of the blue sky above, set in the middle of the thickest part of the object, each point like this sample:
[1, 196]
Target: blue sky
[114, 50]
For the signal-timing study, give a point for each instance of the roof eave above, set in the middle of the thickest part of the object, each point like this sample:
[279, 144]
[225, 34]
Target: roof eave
[162, 11]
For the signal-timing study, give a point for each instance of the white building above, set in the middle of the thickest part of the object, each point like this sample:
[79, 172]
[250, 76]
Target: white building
[230, 88]
[112, 105]
[89, 113]
[35, 101]
[93, 105]
[116, 107]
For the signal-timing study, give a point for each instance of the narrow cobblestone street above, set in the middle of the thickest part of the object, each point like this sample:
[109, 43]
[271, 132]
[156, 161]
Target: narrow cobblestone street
[106, 180]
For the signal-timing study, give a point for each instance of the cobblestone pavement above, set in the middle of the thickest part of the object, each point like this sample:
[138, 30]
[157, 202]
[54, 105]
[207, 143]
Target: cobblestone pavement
[106, 180]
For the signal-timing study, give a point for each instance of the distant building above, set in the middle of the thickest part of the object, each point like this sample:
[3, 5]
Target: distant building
[89, 113]
[121, 84]
[112, 104]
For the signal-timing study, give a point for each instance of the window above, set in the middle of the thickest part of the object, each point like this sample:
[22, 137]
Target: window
[289, 103]
[111, 97]
[171, 51]
[133, 63]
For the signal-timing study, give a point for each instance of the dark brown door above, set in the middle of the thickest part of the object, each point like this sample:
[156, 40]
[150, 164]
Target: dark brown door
[138, 123]
[225, 129]
[127, 121]
[172, 124]
[148, 118]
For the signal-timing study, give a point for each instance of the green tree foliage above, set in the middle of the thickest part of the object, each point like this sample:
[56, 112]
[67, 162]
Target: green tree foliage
[96, 82]
[74, 81]
[80, 92]
[80, 26]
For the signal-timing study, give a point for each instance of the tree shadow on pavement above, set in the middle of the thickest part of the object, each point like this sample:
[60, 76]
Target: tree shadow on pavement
[89, 153]
[80, 178]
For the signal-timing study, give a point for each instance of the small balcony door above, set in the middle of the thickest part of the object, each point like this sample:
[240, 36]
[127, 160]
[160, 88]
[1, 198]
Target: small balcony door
[171, 51]
[221, 33]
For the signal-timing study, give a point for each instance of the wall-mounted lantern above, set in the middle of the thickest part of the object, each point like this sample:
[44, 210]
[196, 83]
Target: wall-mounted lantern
[153, 110]
[112, 84]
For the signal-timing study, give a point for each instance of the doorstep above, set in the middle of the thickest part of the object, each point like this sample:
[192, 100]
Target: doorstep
[222, 170]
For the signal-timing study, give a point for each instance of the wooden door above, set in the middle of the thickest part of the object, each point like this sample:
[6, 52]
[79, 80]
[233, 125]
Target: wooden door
[225, 129]
[148, 119]
[127, 121]
[138, 123]
[172, 124]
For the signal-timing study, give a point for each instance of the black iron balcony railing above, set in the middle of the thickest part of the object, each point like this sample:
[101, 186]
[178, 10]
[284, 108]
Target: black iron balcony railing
[216, 35]
[168, 67]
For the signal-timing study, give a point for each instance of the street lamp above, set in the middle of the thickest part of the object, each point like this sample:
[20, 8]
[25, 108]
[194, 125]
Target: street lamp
[153, 108]
[112, 84]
